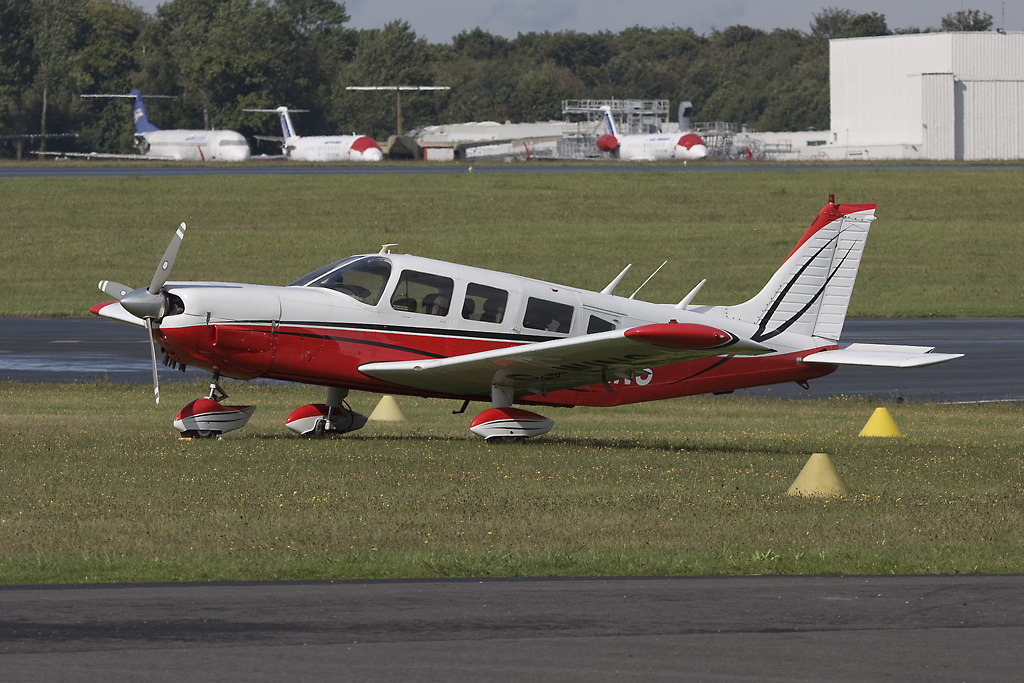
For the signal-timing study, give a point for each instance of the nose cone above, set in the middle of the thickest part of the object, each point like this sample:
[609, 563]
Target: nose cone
[140, 303]
[697, 152]
[367, 149]
[692, 147]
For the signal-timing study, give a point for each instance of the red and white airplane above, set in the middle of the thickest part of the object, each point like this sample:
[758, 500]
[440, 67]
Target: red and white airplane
[401, 324]
[322, 147]
[655, 147]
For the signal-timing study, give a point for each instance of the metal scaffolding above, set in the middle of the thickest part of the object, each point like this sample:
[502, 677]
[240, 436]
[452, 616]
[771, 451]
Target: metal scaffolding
[583, 123]
[633, 117]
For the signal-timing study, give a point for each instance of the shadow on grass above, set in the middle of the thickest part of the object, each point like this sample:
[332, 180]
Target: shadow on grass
[574, 442]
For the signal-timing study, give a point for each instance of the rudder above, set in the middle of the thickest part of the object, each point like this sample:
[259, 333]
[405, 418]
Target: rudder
[142, 124]
[810, 293]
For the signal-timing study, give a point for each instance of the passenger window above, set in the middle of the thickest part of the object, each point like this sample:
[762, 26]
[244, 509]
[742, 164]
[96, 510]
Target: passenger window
[483, 303]
[552, 316]
[423, 293]
[599, 325]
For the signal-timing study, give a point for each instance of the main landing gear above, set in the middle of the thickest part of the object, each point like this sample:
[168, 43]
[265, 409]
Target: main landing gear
[504, 424]
[205, 418]
[321, 419]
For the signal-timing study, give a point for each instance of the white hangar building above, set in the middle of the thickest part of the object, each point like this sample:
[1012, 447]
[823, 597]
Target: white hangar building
[927, 96]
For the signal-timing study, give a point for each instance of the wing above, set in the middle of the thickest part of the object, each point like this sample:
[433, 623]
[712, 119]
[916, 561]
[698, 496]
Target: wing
[565, 363]
[882, 356]
[102, 155]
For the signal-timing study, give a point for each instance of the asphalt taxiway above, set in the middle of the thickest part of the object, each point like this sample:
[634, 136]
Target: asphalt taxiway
[58, 169]
[923, 629]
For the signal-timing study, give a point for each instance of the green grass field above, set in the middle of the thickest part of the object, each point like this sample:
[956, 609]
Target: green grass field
[95, 486]
[945, 244]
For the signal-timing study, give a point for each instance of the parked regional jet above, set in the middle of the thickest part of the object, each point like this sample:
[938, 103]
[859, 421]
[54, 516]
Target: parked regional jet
[322, 147]
[172, 145]
[401, 324]
[654, 147]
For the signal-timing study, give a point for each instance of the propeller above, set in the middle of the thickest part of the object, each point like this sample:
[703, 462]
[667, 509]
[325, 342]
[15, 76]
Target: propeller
[149, 303]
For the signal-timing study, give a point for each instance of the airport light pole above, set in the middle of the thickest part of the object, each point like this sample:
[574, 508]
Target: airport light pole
[398, 90]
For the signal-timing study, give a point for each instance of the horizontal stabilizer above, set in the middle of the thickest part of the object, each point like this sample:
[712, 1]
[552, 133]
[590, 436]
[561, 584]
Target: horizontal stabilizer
[882, 356]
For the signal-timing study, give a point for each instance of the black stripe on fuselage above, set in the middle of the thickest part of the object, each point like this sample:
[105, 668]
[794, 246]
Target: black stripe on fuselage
[422, 331]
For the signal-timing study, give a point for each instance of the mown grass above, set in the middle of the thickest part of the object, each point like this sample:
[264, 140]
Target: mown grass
[945, 244]
[96, 487]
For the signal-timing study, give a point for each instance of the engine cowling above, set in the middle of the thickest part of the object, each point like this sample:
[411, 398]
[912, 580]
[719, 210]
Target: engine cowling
[607, 143]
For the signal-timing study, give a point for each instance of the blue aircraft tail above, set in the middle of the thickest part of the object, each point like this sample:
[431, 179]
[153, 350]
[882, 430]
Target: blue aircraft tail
[142, 124]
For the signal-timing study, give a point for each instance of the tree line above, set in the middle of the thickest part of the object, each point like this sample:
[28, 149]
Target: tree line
[222, 56]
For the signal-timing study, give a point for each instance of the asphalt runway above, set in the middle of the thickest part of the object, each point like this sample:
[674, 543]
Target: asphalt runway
[58, 169]
[90, 349]
[923, 629]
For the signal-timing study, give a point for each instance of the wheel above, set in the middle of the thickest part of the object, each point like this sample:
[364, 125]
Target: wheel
[507, 439]
[199, 434]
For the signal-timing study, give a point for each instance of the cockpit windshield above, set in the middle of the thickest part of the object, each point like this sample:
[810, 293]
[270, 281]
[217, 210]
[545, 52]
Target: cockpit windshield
[361, 277]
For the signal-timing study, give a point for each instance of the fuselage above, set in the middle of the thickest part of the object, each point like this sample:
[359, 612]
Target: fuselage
[655, 147]
[194, 145]
[394, 307]
[332, 148]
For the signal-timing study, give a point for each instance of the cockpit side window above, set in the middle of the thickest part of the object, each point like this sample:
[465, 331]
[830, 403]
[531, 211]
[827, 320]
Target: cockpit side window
[427, 293]
[361, 278]
[483, 303]
[552, 316]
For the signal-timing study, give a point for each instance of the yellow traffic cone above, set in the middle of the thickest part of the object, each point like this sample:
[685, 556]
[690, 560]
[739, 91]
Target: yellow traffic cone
[819, 478]
[387, 410]
[880, 424]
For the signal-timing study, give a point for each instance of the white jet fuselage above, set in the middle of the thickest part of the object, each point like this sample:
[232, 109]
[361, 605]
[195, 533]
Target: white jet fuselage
[194, 145]
[661, 147]
[332, 148]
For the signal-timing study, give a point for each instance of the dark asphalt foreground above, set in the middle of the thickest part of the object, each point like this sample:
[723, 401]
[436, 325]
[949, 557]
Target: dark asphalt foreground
[908, 629]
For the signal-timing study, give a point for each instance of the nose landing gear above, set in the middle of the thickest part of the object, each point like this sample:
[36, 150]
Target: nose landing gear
[205, 418]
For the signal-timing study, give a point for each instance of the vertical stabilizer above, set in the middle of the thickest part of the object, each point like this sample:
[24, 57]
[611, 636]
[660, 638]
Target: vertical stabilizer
[142, 124]
[810, 293]
[287, 129]
[609, 121]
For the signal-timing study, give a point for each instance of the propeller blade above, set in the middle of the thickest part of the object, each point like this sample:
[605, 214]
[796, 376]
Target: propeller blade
[152, 353]
[114, 289]
[163, 271]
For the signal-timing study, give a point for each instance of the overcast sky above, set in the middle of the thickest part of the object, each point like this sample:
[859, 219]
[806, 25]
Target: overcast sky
[439, 20]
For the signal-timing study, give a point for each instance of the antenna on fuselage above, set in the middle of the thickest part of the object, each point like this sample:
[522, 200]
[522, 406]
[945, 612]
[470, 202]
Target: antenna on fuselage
[386, 248]
[614, 283]
[647, 280]
[689, 297]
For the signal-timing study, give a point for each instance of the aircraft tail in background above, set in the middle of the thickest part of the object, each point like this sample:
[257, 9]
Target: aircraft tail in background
[142, 124]
[283, 113]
